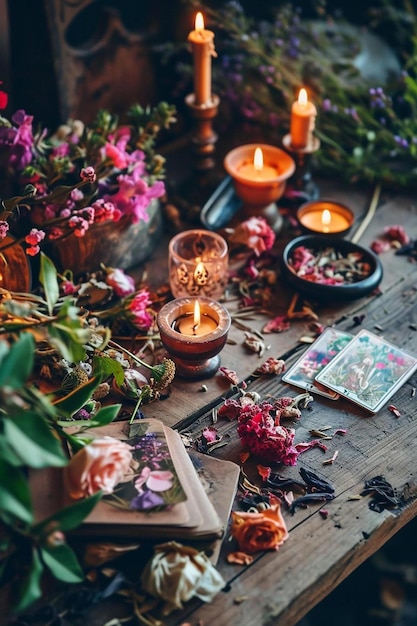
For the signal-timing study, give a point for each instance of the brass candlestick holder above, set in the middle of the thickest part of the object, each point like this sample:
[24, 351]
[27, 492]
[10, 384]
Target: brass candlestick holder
[203, 138]
[301, 187]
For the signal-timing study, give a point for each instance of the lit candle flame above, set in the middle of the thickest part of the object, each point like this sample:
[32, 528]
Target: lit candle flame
[258, 160]
[302, 97]
[326, 218]
[197, 315]
[199, 21]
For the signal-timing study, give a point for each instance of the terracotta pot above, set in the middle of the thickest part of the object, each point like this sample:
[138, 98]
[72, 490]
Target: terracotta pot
[115, 244]
[15, 269]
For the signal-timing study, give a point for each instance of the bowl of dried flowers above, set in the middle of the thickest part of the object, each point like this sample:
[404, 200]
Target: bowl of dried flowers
[336, 268]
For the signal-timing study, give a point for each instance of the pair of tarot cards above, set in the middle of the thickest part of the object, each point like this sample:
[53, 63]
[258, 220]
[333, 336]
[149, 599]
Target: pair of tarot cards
[363, 368]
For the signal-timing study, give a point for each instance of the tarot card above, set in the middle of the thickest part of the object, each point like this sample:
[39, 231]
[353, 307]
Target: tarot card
[312, 361]
[368, 371]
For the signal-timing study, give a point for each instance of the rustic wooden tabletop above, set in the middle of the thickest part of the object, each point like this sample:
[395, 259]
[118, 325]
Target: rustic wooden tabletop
[280, 587]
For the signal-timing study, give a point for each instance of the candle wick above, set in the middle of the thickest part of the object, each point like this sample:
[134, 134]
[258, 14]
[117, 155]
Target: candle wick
[195, 326]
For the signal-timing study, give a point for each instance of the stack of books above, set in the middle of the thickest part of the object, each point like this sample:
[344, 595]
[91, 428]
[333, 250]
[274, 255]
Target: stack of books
[166, 497]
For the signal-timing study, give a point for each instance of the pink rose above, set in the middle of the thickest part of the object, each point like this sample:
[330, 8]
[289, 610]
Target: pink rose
[122, 284]
[99, 466]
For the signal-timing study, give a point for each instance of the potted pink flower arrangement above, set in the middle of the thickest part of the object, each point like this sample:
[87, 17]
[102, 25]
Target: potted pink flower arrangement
[85, 194]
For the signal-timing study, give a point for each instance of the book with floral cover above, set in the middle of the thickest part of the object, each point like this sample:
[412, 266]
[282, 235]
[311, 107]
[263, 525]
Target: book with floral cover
[161, 497]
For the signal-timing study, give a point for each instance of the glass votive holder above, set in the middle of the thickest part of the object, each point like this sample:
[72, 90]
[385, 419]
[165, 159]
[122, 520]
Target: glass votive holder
[198, 263]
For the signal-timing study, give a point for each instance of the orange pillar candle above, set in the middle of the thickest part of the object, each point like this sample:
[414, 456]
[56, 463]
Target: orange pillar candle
[202, 43]
[303, 121]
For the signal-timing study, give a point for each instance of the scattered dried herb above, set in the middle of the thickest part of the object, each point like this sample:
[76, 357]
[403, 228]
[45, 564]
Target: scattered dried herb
[383, 494]
[304, 501]
[314, 482]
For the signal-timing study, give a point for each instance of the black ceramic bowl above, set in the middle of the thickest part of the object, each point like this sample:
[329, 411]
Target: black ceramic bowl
[362, 259]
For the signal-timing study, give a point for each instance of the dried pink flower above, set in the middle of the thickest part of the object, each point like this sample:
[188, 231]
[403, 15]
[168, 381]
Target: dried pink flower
[271, 366]
[122, 284]
[231, 375]
[397, 233]
[379, 246]
[255, 233]
[278, 325]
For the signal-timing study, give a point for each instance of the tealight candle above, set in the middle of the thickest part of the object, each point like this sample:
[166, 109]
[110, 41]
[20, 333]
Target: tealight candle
[194, 331]
[303, 121]
[195, 323]
[325, 217]
[202, 43]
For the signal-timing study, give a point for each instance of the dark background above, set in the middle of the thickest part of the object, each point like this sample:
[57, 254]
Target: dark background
[29, 66]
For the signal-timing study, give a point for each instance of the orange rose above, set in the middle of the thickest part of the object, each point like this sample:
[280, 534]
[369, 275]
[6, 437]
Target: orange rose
[255, 532]
[99, 466]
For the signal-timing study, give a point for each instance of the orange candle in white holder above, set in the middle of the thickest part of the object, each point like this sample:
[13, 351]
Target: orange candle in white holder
[202, 43]
[303, 121]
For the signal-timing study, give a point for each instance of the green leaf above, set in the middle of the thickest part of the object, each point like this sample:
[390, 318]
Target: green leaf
[138, 429]
[67, 343]
[48, 277]
[15, 496]
[62, 563]
[17, 363]
[72, 402]
[7, 454]
[106, 366]
[70, 517]
[33, 441]
[31, 589]
[105, 415]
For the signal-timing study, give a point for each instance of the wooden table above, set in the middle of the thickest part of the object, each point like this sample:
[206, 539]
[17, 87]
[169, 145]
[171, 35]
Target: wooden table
[281, 587]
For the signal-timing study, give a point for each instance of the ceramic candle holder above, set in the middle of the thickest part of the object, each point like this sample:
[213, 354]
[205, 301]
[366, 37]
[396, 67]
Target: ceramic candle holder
[260, 190]
[325, 217]
[198, 264]
[195, 356]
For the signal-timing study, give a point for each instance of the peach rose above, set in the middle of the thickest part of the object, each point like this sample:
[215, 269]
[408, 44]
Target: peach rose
[259, 531]
[99, 466]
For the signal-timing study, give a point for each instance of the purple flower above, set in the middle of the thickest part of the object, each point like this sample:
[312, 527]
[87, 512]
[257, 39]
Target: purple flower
[146, 500]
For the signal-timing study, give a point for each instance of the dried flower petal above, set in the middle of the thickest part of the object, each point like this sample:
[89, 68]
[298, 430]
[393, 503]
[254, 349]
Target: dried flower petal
[271, 366]
[397, 233]
[332, 459]
[394, 410]
[254, 343]
[278, 325]
[231, 375]
[264, 472]
[239, 558]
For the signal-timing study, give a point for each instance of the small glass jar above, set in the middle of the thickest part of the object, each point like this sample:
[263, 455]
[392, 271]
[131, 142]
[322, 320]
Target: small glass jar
[198, 264]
